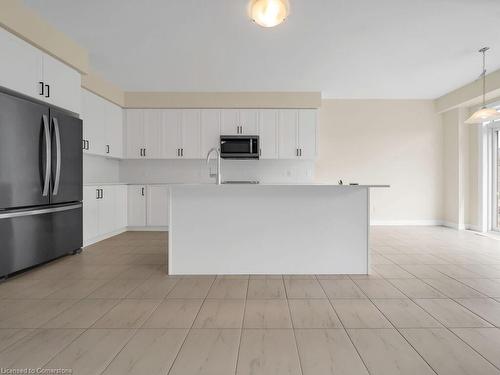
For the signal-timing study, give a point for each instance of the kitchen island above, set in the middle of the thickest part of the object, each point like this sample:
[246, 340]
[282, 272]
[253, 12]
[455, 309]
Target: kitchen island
[269, 229]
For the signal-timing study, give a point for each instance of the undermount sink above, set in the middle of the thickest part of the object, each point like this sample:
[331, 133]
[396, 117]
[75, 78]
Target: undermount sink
[240, 182]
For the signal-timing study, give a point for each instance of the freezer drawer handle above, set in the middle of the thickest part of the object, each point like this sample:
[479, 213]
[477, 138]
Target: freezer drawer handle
[48, 156]
[9, 215]
[58, 157]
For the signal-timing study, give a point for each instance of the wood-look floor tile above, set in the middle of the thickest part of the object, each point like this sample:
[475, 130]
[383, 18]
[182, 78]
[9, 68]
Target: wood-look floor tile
[486, 341]
[446, 353]
[76, 289]
[220, 314]
[31, 313]
[453, 288]
[92, 351]
[271, 313]
[268, 352]
[228, 288]
[82, 314]
[359, 313]
[9, 336]
[128, 313]
[208, 351]
[386, 352]
[392, 271]
[300, 288]
[116, 288]
[156, 287]
[266, 289]
[37, 348]
[423, 271]
[191, 288]
[415, 288]
[377, 288]
[489, 287]
[313, 313]
[174, 313]
[150, 351]
[328, 351]
[450, 313]
[486, 308]
[404, 313]
[343, 288]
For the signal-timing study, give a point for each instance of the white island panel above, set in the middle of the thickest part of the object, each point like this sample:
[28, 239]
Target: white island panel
[268, 229]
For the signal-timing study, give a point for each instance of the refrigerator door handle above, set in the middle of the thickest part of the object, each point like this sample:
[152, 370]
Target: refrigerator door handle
[48, 156]
[41, 211]
[57, 179]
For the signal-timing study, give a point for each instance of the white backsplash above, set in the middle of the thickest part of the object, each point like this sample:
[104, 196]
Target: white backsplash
[99, 169]
[170, 171]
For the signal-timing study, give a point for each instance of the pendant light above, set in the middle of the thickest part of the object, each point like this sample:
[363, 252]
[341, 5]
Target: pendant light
[268, 13]
[484, 114]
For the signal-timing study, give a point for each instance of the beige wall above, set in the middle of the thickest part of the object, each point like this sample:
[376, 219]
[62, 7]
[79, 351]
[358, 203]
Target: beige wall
[396, 142]
[451, 193]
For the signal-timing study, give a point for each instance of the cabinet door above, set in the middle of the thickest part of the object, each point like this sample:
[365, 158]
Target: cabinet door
[171, 133]
[20, 65]
[107, 208]
[229, 121]
[210, 130]
[64, 84]
[135, 133]
[307, 133]
[268, 134]
[157, 199]
[114, 131]
[121, 206]
[136, 209]
[287, 134]
[249, 121]
[90, 213]
[190, 134]
[94, 123]
[153, 133]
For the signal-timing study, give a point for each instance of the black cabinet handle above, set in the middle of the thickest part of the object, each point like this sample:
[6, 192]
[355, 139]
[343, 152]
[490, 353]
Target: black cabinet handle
[102, 193]
[107, 149]
[300, 152]
[84, 147]
[142, 191]
[88, 144]
[144, 152]
[182, 152]
[97, 193]
[41, 87]
[47, 94]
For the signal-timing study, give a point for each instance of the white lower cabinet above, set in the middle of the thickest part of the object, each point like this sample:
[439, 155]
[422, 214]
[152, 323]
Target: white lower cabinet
[157, 205]
[136, 205]
[104, 210]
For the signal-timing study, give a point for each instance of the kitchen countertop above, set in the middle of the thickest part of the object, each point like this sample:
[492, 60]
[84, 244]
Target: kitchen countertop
[260, 184]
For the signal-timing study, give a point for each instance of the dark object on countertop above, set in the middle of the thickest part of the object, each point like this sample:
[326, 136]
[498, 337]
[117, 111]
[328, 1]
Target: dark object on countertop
[353, 183]
[341, 182]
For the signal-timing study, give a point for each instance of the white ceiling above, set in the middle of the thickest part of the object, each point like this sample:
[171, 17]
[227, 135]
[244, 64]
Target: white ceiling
[344, 48]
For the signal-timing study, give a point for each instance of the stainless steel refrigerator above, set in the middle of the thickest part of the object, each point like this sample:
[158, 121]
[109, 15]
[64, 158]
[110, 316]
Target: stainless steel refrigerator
[40, 183]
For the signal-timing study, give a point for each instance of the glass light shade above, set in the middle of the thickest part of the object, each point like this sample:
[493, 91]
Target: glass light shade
[483, 115]
[268, 13]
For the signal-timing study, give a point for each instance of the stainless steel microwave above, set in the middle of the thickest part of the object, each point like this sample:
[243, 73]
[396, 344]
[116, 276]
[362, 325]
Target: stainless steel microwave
[239, 146]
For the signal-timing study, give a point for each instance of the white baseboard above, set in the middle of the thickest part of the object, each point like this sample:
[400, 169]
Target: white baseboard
[103, 237]
[407, 222]
[147, 229]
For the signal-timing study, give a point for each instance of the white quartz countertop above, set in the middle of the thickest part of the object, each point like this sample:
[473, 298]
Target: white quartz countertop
[256, 185]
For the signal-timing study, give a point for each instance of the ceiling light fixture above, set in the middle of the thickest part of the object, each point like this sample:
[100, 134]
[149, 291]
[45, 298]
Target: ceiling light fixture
[268, 13]
[484, 114]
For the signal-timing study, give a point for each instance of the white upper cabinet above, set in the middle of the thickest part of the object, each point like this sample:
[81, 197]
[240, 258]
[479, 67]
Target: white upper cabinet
[62, 84]
[102, 126]
[307, 128]
[134, 119]
[172, 133]
[20, 65]
[29, 71]
[239, 121]
[210, 130]
[230, 124]
[297, 133]
[287, 145]
[268, 133]
[249, 121]
[190, 134]
[153, 134]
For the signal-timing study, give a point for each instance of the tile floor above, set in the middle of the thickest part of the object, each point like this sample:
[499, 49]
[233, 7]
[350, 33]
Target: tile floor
[430, 305]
